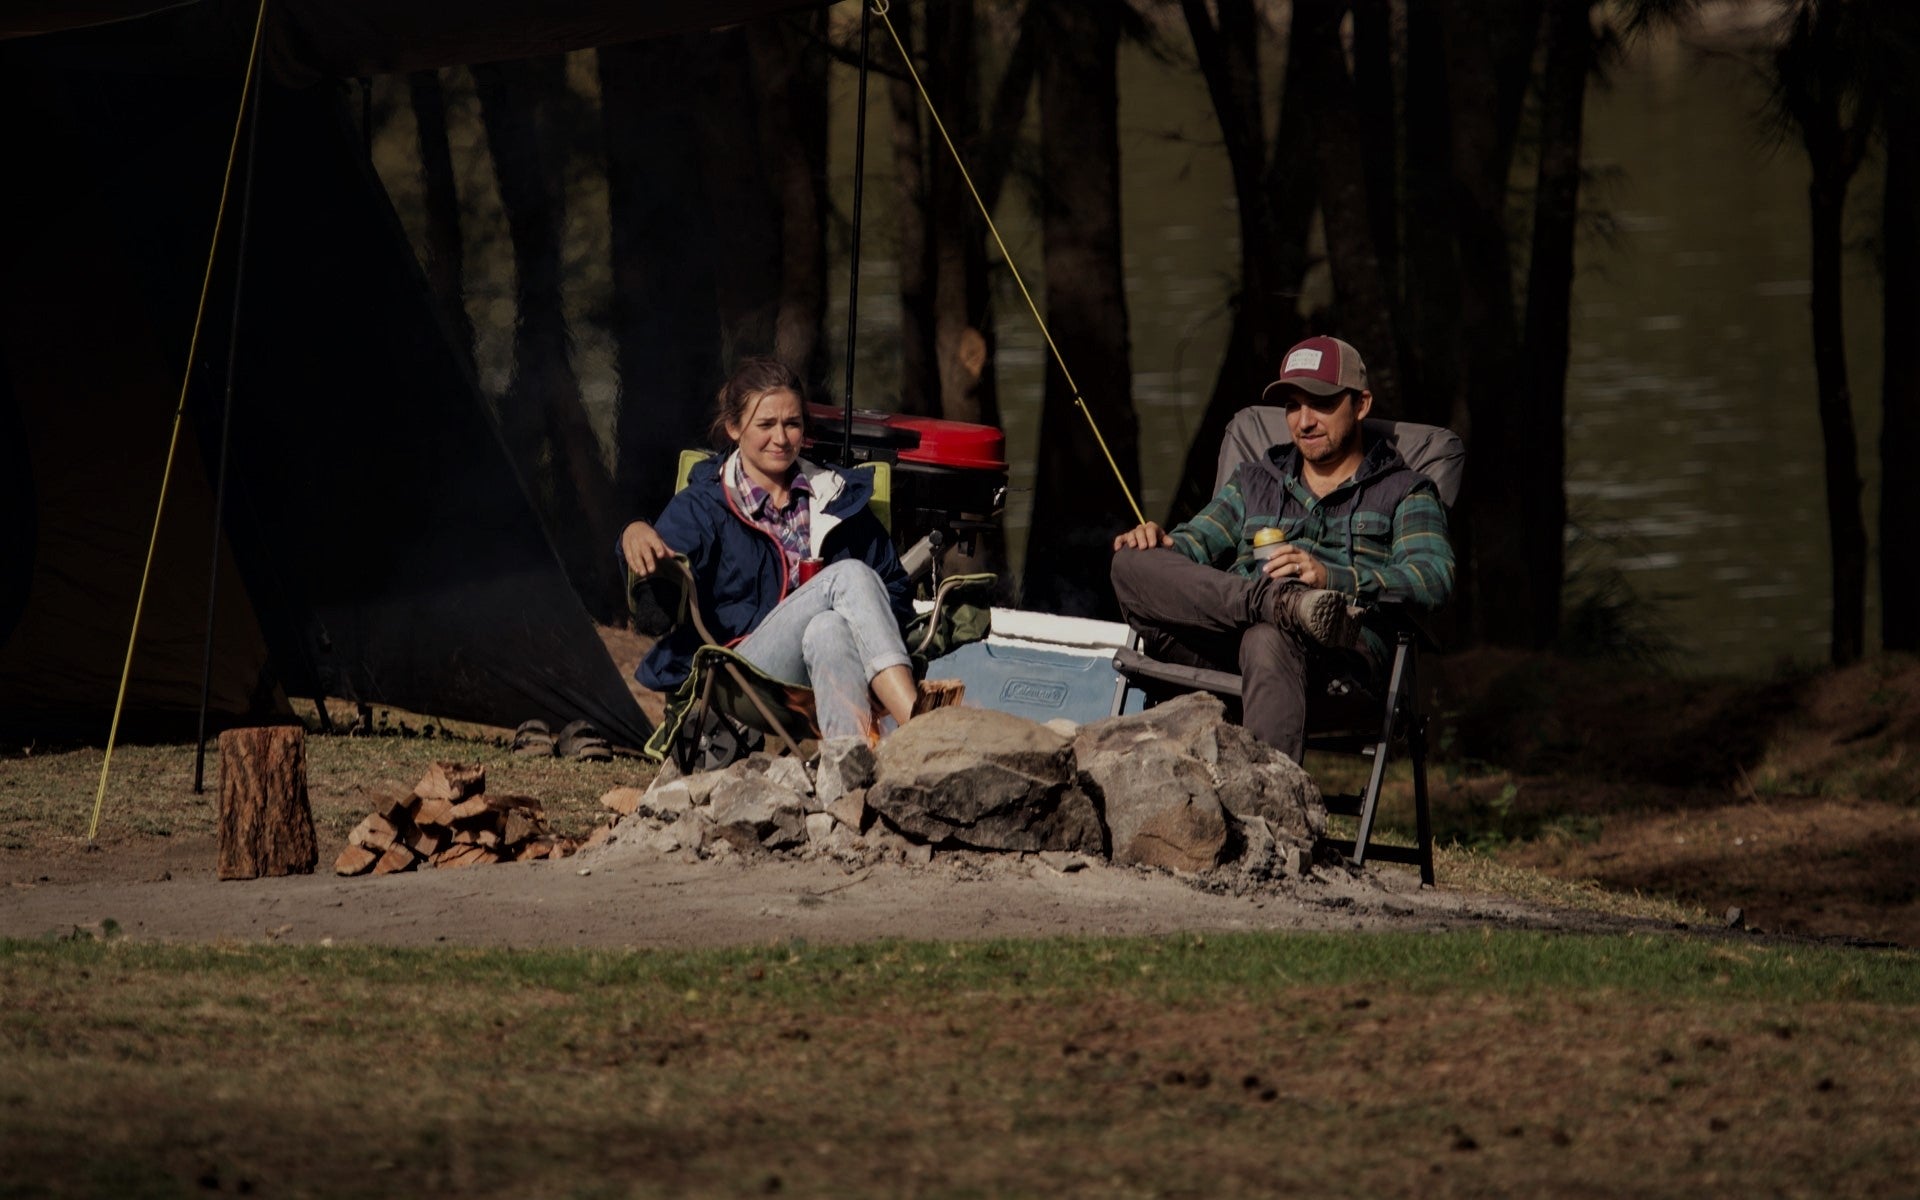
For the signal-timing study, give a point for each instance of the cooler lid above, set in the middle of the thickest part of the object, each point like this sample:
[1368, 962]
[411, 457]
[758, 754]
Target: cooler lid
[954, 444]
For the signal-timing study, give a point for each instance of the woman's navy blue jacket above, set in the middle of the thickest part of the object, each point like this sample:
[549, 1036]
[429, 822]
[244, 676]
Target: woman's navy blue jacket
[740, 570]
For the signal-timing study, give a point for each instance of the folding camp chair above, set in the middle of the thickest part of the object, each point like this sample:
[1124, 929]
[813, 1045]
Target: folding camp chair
[1352, 716]
[726, 706]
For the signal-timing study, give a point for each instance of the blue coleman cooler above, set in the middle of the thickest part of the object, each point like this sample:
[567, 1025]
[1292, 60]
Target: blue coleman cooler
[1040, 666]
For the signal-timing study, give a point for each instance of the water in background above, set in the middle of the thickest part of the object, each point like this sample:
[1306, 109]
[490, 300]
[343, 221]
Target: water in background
[1694, 450]
[1694, 455]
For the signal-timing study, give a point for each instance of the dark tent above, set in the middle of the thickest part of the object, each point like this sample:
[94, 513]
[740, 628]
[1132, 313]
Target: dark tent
[388, 550]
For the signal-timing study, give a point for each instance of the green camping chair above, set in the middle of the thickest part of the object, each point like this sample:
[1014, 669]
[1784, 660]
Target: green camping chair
[1350, 716]
[727, 706]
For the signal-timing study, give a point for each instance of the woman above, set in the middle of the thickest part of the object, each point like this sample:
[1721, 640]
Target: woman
[746, 521]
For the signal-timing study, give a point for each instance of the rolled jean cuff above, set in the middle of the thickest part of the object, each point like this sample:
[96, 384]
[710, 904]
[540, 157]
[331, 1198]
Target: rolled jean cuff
[886, 661]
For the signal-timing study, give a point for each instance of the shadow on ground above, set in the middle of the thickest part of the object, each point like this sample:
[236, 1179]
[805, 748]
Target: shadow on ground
[1795, 798]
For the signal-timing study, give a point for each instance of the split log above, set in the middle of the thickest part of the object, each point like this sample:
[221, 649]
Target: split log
[266, 825]
[476, 836]
[623, 800]
[376, 831]
[355, 860]
[938, 693]
[397, 858]
[519, 825]
[465, 856]
[601, 835]
[425, 840]
[473, 806]
[450, 821]
[451, 781]
[432, 811]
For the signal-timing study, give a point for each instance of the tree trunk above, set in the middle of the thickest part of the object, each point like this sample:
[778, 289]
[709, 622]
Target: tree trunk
[1363, 299]
[1822, 89]
[664, 318]
[746, 250]
[1481, 65]
[1276, 202]
[1900, 377]
[1846, 527]
[1377, 101]
[1078, 505]
[446, 256]
[1431, 362]
[963, 327]
[790, 78]
[266, 826]
[919, 391]
[1556, 212]
[517, 103]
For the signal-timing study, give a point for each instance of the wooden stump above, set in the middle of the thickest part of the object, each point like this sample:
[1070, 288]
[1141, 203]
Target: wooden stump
[266, 826]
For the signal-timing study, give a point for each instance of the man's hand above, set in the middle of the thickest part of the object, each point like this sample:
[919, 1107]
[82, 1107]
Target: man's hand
[1291, 562]
[643, 548]
[1143, 537]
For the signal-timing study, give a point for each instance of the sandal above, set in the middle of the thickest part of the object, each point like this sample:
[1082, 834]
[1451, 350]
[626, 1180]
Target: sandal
[533, 739]
[579, 739]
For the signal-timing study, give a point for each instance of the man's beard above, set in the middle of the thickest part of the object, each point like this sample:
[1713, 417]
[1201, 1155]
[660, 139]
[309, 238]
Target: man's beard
[1332, 451]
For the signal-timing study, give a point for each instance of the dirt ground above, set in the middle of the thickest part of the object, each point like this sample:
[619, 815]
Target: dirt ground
[1794, 800]
[165, 889]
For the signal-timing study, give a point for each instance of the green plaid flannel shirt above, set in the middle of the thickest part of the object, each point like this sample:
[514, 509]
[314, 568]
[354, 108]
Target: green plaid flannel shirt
[1403, 558]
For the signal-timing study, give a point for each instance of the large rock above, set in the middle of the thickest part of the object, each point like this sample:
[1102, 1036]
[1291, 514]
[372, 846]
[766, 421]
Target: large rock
[1142, 770]
[983, 779]
[1192, 722]
[1255, 780]
[1159, 804]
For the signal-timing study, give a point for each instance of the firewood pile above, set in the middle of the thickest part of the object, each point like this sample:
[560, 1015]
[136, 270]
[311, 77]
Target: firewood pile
[450, 821]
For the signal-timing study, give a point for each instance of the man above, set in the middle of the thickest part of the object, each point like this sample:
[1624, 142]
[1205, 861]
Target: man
[1361, 528]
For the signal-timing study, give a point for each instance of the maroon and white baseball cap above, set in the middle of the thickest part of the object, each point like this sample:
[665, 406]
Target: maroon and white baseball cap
[1322, 366]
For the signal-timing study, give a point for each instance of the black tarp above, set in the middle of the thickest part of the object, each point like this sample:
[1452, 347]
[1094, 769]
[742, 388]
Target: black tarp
[308, 40]
[388, 550]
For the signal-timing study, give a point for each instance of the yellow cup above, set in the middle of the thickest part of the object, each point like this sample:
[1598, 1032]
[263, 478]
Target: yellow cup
[1267, 542]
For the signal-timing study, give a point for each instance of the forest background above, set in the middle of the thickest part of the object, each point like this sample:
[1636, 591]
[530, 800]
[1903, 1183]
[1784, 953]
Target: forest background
[1190, 187]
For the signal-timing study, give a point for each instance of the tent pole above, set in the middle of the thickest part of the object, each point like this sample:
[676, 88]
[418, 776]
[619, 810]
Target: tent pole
[179, 415]
[226, 427]
[859, 184]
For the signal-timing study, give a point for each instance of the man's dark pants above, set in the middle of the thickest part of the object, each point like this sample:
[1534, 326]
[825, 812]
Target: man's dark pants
[1199, 616]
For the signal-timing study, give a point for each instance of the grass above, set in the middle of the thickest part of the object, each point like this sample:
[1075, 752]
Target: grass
[1450, 1064]
[49, 792]
[1394, 1064]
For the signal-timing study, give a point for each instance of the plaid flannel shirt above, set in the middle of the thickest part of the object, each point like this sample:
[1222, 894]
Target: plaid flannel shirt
[1402, 557]
[791, 526]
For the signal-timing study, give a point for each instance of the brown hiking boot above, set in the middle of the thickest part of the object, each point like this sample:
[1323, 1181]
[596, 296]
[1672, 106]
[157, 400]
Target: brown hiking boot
[1319, 615]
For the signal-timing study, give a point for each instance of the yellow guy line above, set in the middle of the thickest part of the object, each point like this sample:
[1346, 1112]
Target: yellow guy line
[879, 8]
[179, 412]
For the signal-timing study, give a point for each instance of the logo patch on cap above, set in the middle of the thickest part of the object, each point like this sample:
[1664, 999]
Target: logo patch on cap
[1302, 360]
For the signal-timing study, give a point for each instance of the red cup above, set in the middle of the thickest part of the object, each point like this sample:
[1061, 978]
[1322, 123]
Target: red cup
[809, 567]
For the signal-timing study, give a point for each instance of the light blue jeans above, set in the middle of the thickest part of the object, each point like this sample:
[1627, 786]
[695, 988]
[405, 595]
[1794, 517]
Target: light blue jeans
[833, 633]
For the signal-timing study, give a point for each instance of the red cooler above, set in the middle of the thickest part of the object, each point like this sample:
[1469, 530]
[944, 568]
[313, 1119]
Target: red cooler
[947, 475]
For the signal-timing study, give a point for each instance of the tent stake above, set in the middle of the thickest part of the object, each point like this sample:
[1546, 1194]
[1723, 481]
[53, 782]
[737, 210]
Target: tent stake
[859, 186]
[226, 427]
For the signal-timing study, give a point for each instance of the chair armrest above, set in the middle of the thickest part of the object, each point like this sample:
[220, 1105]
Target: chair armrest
[1135, 665]
[962, 612]
[1403, 620]
[662, 601]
